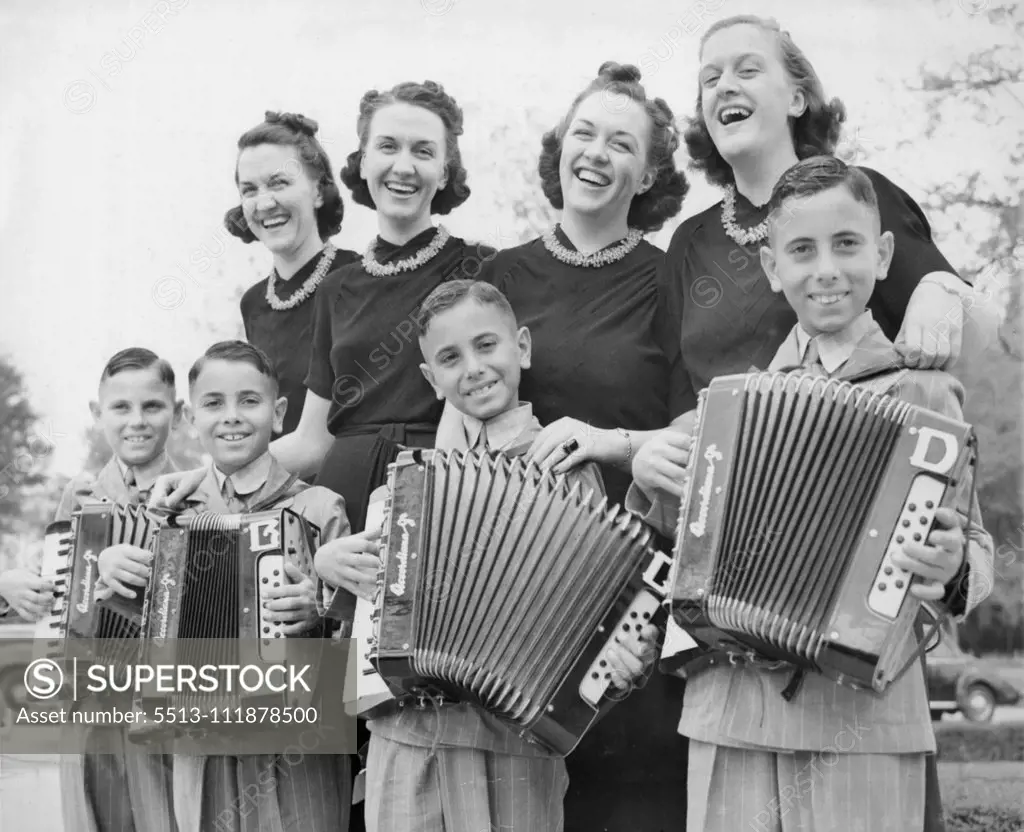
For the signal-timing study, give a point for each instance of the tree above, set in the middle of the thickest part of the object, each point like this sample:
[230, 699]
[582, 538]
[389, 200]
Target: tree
[25, 447]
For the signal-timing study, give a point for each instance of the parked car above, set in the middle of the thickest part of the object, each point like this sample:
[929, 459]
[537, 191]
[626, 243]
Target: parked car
[958, 681]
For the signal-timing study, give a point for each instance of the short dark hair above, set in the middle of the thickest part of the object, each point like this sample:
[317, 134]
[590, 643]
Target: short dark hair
[432, 97]
[239, 351]
[293, 130]
[664, 199]
[453, 292]
[815, 132]
[139, 358]
[816, 175]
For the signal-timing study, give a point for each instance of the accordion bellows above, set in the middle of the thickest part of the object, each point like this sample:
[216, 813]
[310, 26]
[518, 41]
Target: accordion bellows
[800, 491]
[501, 585]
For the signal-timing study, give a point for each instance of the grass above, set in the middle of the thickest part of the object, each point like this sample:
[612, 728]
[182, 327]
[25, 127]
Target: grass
[983, 797]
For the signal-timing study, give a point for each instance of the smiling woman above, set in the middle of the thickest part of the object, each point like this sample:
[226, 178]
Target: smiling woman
[290, 203]
[606, 372]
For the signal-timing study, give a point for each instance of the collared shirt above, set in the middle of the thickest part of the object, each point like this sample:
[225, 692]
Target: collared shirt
[502, 430]
[248, 479]
[835, 348]
[145, 475]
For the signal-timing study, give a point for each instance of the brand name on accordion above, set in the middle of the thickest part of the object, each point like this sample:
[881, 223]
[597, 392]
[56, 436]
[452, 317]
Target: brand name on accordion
[699, 526]
[404, 523]
[87, 580]
[163, 610]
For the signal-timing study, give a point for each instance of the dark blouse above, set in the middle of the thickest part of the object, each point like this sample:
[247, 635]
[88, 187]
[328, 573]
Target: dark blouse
[605, 349]
[286, 336]
[366, 355]
[732, 320]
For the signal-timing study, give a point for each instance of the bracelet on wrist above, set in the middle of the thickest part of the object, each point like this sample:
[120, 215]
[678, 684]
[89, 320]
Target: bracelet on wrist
[629, 446]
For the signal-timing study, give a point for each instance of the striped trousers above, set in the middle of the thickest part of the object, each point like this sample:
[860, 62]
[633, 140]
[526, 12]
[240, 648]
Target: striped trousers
[755, 790]
[411, 789]
[126, 791]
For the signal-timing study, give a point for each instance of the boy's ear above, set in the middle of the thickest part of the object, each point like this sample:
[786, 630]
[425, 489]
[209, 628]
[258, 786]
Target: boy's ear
[525, 343]
[768, 264]
[280, 408]
[886, 249]
[189, 414]
[94, 409]
[428, 374]
[179, 406]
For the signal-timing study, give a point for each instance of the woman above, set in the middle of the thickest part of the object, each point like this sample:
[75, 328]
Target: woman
[605, 373]
[290, 203]
[366, 394]
[761, 108]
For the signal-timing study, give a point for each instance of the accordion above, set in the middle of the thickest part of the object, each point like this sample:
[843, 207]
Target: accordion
[203, 606]
[800, 490]
[70, 557]
[502, 586]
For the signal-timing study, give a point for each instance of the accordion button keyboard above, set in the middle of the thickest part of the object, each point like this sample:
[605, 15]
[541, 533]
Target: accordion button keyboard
[597, 680]
[55, 566]
[269, 574]
[886, 599]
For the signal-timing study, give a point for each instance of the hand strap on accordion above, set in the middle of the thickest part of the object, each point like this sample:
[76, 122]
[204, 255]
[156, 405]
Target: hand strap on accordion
[938, 619]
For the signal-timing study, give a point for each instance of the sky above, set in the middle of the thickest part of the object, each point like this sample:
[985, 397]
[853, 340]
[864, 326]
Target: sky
[120, 121]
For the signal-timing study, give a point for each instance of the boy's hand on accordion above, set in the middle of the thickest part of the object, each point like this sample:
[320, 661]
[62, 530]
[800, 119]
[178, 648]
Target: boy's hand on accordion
[122, 567]
[351, 563]
[660, 465]
[292, 604]
[631, 655]
[28, 594]
[936, 561]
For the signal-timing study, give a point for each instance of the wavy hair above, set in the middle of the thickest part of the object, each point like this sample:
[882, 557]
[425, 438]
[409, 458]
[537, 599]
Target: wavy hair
[815, 132]
[432, 97]
[664, 199]
[298, 131]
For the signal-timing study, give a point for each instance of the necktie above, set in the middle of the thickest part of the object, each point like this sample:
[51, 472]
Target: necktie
[481, 439]
[235, 503]
[134, 496]
[812, 359]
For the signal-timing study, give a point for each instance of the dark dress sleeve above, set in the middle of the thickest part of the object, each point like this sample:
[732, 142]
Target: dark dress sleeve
[244, 307]
[915, 253]
[681, 395]
[320, 378]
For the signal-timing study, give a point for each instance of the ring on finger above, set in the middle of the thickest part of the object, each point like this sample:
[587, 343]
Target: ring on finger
[570, 446]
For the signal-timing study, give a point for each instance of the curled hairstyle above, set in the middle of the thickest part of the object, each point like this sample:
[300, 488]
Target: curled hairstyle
[241, 352]
[815, 131]
[293, 130]
[816, 175]
[431, 97]
[139, 358]
[663, 200]
[453, 292]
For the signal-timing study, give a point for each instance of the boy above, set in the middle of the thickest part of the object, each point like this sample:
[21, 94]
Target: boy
[456, 768]
[758, 760]
[235, 406]
[136, 409]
